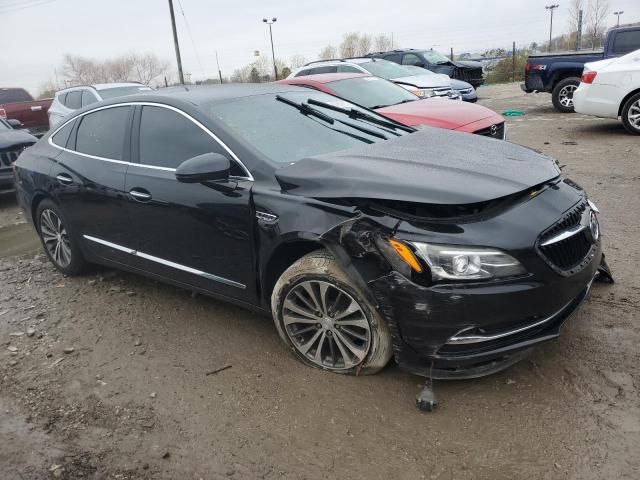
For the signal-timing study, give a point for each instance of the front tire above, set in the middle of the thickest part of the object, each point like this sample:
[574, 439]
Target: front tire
[57, 240]
[326, 321]
[562, 94]
[631, 114]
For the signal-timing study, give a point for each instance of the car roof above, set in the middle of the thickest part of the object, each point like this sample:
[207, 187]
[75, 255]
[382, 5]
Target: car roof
[103, 86]
[342, 61]
[324, 77]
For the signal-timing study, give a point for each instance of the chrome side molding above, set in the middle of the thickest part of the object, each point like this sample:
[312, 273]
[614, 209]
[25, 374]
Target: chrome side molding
[167, 263]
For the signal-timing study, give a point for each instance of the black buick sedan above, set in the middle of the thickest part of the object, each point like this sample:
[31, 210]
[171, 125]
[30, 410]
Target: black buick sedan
[364, 239]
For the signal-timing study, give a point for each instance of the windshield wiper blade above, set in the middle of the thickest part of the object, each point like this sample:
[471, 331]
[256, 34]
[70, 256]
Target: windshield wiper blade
[307, 110]
[354, 113]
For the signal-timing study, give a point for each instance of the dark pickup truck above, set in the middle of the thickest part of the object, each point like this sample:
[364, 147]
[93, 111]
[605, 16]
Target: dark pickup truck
[18, 104]
[559, 73]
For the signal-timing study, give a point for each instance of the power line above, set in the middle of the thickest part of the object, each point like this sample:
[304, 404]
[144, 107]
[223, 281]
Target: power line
[193, 43]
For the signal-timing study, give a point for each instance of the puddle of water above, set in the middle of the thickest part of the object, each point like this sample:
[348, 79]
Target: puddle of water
[20, 239]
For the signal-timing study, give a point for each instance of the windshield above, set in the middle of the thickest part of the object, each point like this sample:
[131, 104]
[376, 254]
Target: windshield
[434, 57]
[384, 69]
[282, 133]
[114, 92]
[371, 92]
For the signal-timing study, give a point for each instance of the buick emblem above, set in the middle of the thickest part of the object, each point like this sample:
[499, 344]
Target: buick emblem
[494, 130]
[594, 227]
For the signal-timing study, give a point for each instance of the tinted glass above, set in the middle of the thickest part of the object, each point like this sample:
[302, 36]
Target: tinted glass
[103, 133]
[74, 100]
[384, 69]
[412, 59]
[62, 137]
[626, 42]
[327, 69]
[168, 138]
[396, 57]
[371, 92]
[10, 95]
[283, 134]
[88, 98]
[107, 93]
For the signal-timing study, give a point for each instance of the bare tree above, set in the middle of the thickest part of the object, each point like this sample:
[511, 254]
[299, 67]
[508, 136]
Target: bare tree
[575, 8]
[328, 52]
[349, 45]
[147, 67]
[143, 68]
[364, 44]
[382, 43]
[597, 13]
[297, 61]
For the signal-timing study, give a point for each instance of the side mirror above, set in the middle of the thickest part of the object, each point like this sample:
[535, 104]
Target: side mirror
[419, 64]
[14, 123]
[204, 168]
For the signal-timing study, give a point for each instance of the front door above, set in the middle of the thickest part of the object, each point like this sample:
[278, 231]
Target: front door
[194, 233]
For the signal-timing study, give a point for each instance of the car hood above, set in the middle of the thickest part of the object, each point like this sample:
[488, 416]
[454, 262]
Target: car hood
[425, 81]
[459, 84]
[437, 112]
[429, 166]
[10, 138]
[467, 64]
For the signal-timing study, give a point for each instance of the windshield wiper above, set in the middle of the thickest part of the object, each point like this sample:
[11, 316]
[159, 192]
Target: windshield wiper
[307, 110]
[358, 114]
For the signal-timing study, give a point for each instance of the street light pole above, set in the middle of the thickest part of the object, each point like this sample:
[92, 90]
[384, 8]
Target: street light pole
[273, 55]
[618, 15]
[551, 8]
[175, 42]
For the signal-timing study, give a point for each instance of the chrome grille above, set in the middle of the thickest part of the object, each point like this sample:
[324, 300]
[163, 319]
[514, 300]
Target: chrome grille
[568, 244]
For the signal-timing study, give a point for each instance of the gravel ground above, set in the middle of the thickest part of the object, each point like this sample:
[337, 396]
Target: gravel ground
[110, 375]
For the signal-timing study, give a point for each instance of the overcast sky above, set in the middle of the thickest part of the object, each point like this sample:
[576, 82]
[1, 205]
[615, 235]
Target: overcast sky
[34, 34]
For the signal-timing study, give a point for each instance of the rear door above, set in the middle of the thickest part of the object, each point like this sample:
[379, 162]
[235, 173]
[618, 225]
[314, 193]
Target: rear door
[90, 175]
[196, 234]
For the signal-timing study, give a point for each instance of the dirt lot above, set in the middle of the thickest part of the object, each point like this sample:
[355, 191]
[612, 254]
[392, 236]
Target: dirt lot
[132, 398]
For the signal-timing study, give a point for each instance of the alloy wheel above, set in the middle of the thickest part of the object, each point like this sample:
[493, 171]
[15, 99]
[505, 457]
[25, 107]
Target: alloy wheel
[326, 325]
[55, 238]
[565, 96]
[634, 115]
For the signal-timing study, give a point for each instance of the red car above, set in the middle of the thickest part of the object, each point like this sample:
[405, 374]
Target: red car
[403, 106]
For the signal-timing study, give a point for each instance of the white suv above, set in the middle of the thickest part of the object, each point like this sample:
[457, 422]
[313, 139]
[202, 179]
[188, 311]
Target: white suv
[426, 85]
[71, 99]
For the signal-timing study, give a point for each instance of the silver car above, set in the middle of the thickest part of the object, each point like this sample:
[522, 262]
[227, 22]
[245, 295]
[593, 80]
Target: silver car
[71, 99]
[425, 85]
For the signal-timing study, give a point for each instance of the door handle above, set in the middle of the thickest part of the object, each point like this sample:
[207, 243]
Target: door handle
[139, 195]
[64, 179]
[36, 108]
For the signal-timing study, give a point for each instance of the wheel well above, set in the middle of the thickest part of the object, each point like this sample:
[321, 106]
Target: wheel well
[34, 207]
[624, 100]
[564, 76]
[282, 258]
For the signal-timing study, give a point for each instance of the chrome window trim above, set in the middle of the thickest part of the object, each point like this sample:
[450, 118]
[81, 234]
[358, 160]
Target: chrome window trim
[167, 263]
[150, 104]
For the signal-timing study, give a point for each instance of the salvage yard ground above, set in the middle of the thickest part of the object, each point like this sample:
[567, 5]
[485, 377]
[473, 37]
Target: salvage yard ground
[114, 376]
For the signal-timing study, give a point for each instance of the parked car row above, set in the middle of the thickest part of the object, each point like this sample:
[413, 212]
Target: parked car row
[13, 141]
[18, 105]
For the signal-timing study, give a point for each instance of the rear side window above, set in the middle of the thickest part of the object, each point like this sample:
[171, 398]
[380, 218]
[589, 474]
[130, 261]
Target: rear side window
[62, 137]
[88, 98]
[626, 42]
[73, 100]
[348, 69]
[102, 133]
[327, 69]
[168, 138]
[10, 95]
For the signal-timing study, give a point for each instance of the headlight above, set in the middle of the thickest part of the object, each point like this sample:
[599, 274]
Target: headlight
[427, 93]
[416, 91]
[458, 263]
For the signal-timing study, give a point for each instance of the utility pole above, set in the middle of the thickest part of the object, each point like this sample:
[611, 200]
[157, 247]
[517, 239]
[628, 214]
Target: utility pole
[513, 66]
[551, 8]
[219, 72]
[175, 42]
[273, 20]
[451, 56]
[618, 15]
[579, 32]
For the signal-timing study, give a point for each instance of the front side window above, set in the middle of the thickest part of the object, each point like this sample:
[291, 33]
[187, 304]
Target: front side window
[73, 100]
[102, 133]
[168, 138]
[371, 92]
[412, 59]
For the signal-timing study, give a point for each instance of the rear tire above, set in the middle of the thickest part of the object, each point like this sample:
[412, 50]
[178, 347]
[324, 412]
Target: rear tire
[562, 94]
[631, 114]
[326, 321]
[58, 241]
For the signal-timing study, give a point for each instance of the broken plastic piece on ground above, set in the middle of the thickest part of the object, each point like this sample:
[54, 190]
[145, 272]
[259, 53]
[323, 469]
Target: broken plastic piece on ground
[512, 113]
[426, 399]
[604, 272]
